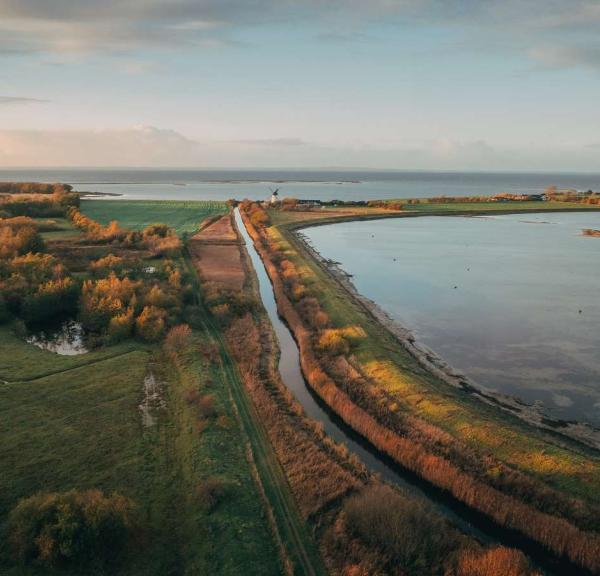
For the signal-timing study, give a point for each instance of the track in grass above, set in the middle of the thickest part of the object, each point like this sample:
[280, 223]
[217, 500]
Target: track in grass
[299, 545]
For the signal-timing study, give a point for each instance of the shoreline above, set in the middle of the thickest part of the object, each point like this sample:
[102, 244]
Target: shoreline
[532, 414]
[92, 195]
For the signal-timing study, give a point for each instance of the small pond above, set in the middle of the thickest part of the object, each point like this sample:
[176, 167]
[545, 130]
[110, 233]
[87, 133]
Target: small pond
[67, 340]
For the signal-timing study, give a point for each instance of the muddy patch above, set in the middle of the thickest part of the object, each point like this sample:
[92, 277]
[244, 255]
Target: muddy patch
[152, 401]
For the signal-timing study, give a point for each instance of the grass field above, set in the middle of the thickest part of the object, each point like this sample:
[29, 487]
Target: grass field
[20, 361]
[292, 530]
[183, 216]
[81, 428]
[74, 422]
[62, 228]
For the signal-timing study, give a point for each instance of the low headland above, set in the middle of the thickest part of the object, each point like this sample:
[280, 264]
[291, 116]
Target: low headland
[172, 444]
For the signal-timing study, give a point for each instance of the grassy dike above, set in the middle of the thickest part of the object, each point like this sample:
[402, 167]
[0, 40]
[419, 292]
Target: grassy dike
[509, 458]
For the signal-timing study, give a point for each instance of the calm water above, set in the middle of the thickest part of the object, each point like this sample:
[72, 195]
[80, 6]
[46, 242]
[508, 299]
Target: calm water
[65, 341]
[512, 301]
[323, 185]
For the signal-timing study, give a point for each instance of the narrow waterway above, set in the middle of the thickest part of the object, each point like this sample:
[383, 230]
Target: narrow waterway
[289, 365]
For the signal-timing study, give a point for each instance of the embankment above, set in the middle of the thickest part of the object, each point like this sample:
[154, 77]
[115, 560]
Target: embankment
[419, 446]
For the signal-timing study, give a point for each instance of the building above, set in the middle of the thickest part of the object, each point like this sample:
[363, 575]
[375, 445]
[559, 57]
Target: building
[309, 202]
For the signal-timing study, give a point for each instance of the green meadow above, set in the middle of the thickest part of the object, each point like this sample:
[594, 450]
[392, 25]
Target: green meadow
[75, 423]
[183, 216]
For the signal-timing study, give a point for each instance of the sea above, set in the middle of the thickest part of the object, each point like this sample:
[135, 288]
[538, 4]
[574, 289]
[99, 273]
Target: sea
[192, 184]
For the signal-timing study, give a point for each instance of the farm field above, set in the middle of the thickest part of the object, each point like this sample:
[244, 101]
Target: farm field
[82, 428]
[184, 217]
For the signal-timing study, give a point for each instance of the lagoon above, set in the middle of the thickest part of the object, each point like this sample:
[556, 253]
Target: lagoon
[512, 301]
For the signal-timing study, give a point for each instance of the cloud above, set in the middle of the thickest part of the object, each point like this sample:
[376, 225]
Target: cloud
[272, 142]
[561, 400]
[552, 32]
[139, 146]
[156, 147]
[145, 146]
[567, 56]
[21, 100]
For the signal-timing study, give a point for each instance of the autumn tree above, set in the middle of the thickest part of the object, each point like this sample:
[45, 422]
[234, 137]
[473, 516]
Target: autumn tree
[150, 324]
[71, 529]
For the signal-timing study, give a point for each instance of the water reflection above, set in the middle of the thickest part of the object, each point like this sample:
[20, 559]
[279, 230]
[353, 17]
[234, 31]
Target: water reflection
[66, 341]
[511, 304]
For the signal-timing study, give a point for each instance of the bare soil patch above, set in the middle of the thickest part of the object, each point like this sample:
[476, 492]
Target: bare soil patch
[221, 230]
[216, 254]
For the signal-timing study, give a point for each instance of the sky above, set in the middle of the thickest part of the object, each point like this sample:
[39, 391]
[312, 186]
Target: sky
[398, 84]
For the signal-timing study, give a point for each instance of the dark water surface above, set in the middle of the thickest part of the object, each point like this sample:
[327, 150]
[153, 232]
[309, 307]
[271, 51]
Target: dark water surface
[177, 184]
[66, 340]
[512, 301]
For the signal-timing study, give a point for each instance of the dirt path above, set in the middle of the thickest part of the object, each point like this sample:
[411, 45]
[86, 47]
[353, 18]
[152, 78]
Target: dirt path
[215, 251]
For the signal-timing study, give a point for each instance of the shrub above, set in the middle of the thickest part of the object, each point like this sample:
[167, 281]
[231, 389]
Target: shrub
[493, 562]
[110, 262]
[150, 324]
[332, 341]
[19, 236]
[53, 299]
[178, 340]
[211, 492]
[161, 240]
[311, 313]
[121, 326]
[71, 529]
[404, 529]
